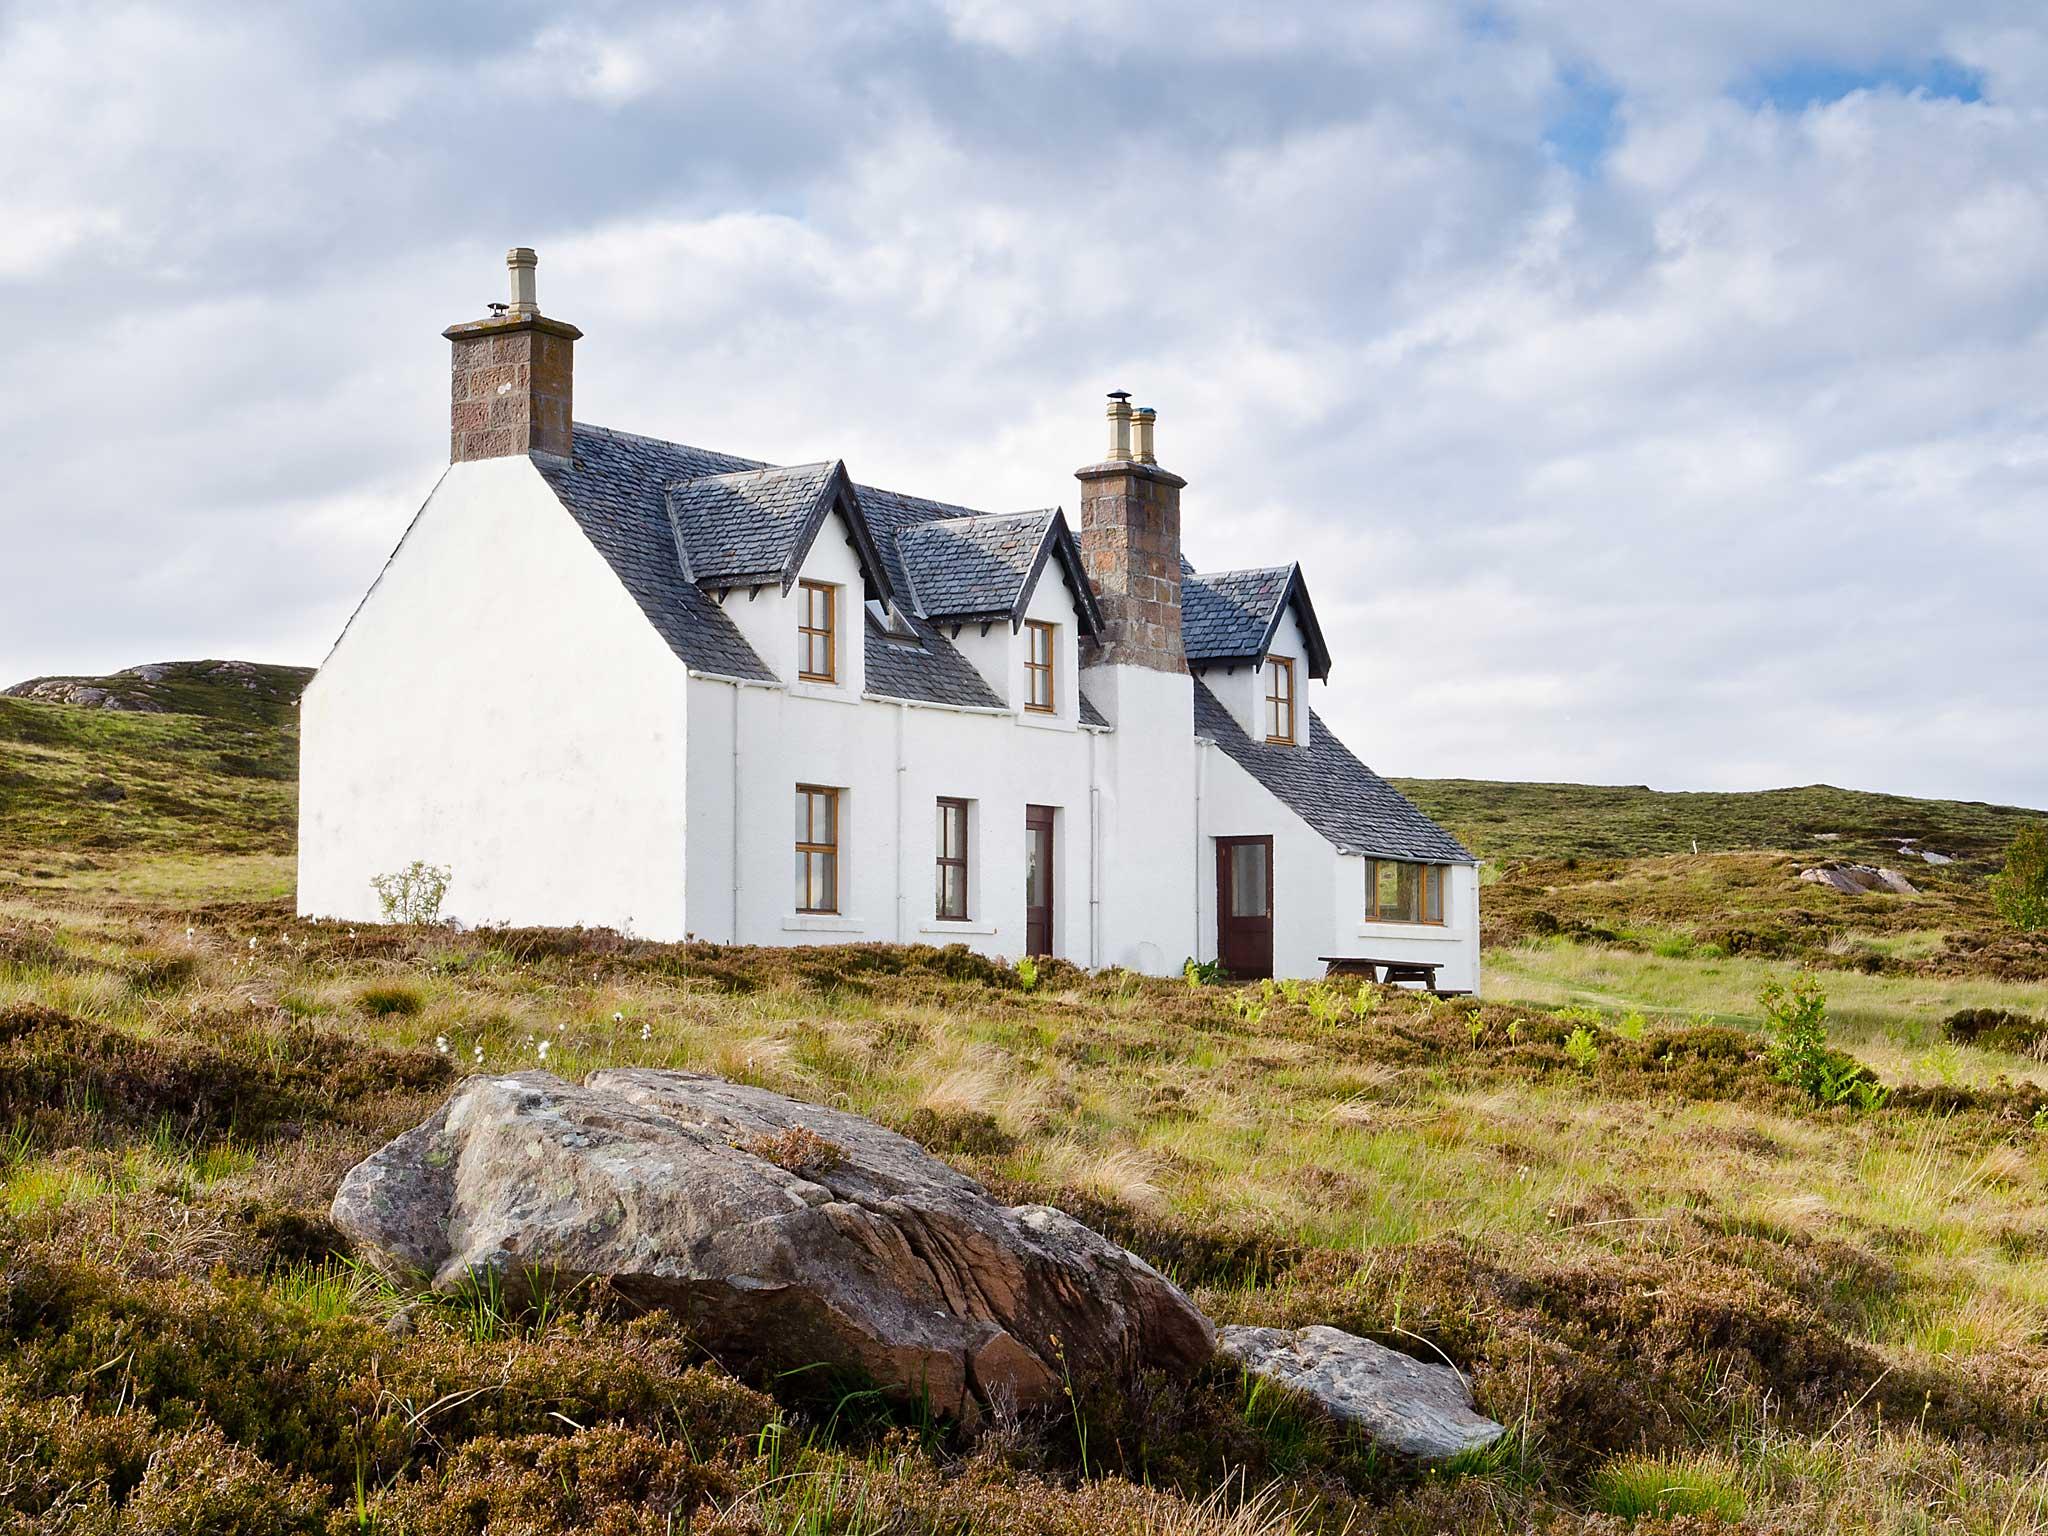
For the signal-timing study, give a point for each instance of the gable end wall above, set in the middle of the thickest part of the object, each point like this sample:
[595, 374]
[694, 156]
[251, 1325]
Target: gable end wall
[498, 706]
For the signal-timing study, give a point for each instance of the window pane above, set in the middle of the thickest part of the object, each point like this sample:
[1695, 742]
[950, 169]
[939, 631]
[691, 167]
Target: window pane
[1034, 882]
[1398, 889]
[825, 823]
[952, 891]
[1249, 896]
[803, 817]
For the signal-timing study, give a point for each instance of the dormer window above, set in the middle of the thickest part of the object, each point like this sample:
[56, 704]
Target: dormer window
[1280, 700]
[817, 649]
[1040, 695]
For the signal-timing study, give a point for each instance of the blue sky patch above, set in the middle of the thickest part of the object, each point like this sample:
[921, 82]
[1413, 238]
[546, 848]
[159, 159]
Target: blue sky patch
[1795, 87]
[1582, 133]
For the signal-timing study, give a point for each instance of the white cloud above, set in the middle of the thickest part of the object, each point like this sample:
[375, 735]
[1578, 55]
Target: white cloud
[1718, 462]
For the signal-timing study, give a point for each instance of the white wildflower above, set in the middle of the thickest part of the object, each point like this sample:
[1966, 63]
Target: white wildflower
[646, 1031]
[479, 1050]
[542, 1050]
[618, 1018]
[252, 943]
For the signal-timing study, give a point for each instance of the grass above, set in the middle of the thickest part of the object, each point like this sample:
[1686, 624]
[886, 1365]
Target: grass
[1691, 1294]
[1635, 1486]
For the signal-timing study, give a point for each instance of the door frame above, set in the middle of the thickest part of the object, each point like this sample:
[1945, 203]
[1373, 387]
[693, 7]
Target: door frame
[1042, 818]
[1224, 918]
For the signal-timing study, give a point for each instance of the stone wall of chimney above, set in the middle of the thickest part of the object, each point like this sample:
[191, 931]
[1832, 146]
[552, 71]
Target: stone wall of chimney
[511, 382]
[1130, 545]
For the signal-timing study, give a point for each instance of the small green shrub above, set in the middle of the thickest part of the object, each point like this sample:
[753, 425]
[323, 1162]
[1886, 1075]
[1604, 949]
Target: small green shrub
[1027, 973]
[414, 894]
[1668, 1487]
[1796, 1020]
[2020, 890]
[1203, 973]
[1582, 1047]
[1247, 1007]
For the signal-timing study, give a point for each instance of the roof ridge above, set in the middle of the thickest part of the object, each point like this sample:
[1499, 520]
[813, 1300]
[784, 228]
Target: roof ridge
[668, 442]
[757, 469]
[976, 517]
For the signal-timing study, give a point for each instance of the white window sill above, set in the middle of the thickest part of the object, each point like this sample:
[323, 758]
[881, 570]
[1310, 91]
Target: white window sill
[829, 693]
[821, 922]
[1424, 933]
[1042, 722]
[948, 925]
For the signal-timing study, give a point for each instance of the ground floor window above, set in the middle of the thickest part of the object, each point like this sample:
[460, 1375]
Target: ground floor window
[1398, 892]
[952, 860]
[817, 849]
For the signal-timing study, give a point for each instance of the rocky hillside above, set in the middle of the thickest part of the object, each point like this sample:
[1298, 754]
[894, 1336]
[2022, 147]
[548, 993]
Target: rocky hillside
[245, 691]
[183, 758]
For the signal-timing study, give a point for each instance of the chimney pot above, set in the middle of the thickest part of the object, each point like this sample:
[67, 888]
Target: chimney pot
[1119, 426]
[1145, 419]
[519, 263]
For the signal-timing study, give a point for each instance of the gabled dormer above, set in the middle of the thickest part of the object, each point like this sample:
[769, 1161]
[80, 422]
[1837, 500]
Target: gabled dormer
[1009, 592]
[788, 555]
[1253, 638]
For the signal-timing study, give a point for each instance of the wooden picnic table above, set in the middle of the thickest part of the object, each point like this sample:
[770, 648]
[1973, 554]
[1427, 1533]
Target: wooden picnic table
[1396, 971]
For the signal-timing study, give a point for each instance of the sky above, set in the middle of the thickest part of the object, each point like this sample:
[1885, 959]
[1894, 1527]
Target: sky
[1651, 394]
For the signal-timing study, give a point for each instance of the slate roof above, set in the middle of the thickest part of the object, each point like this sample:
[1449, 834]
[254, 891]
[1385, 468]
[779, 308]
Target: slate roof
[1225, 613]
[961, 567]
[749, 522]
[1331, 790]
[928, 670]
[1233, 615]
[616, 490]
[619, 491]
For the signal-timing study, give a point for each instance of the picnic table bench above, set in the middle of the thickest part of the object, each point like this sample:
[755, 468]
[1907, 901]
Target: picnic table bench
[1396, 971]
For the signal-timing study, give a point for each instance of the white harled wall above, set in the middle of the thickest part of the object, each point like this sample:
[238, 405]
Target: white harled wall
[499, 706]
[751, 746]
[1150, 883]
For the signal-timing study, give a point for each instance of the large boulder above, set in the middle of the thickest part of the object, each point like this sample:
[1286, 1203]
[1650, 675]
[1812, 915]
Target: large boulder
[1404, 1404]
[1859, 880]
[788, 1236]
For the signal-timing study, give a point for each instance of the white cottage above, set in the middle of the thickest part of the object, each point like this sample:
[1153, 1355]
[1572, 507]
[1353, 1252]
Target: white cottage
[612, 681]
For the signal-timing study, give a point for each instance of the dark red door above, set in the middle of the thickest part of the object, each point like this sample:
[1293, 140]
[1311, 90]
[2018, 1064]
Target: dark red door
[1038, 882]
[1244, 905]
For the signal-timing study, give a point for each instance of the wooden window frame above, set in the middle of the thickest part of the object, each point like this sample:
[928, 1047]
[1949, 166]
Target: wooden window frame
[1033, 668]
[807, 631]
[1430, 883]
[1278, 667]
[952, 804]
[810, 848]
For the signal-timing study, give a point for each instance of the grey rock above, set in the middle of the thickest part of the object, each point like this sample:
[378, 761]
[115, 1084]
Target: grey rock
[1859, 879]
[856, 1251]
[1404, 1404]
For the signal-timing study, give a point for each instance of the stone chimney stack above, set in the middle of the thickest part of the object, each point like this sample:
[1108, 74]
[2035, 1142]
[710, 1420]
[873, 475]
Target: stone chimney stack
[1130, 543]
[511, 376]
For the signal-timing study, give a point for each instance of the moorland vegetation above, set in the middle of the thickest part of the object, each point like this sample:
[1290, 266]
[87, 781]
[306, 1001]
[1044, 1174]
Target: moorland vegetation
[1708, 1281]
